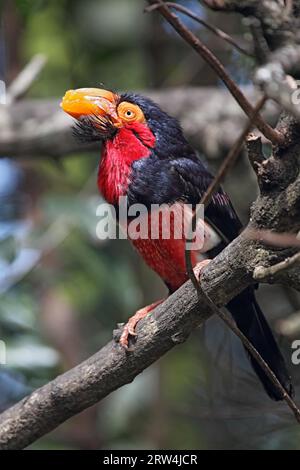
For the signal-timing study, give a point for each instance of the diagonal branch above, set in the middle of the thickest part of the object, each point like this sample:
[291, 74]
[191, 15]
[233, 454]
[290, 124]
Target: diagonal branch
[171, 323]
[275, 27]
[38, 128]
[254, 353]
[217, 31]
[227, 164]
[111, 367]
[21, 84]
[270, 133]
[206, 198]
[262, 273]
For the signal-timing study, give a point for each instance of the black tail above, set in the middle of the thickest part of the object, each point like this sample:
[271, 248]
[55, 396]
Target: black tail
[251, 321]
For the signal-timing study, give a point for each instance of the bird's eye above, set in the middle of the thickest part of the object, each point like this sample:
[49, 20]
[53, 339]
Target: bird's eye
[130, 112]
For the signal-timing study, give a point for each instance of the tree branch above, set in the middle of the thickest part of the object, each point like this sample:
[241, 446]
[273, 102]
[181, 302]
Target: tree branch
[273, 135]
[218, 32]
[278, 24]
[215, 184]
[110, 368]
[273, 80]
[206, 198]
[278, 208]
[261, 273]
[255, 151]
[21, 84]
[209, 117]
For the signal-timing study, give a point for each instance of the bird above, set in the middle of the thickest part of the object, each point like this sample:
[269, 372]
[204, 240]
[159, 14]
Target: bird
[146, 158]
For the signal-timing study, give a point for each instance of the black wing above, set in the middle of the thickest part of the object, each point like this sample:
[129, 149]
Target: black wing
[156, 181]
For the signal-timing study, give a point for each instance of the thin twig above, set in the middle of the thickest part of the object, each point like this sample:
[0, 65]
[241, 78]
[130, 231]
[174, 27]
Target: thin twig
[282, 239]
[254, 353]
[25, 78]
[272, 134]
[219, 178]
[260, 44]
[262, 272]
[218, 32]
[89, 382]
[233, 154]
[227, 164]
[215, 4]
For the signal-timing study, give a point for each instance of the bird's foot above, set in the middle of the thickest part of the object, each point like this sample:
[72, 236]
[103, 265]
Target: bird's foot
[129, 328]
[198, 269]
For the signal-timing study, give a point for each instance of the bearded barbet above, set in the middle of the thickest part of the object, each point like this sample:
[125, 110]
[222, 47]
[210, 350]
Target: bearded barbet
[146, 158]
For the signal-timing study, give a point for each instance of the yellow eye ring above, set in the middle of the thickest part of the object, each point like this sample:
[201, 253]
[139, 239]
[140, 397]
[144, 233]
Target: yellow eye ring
[130, 112]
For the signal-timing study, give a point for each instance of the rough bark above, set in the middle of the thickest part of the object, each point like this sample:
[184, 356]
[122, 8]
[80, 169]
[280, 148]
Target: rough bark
[278, 208]
[112, 367]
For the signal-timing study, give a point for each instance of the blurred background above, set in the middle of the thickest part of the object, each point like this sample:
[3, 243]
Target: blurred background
[62, 291]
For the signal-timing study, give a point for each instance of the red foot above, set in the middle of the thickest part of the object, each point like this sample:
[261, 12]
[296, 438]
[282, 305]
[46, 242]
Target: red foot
[200, 267]
[129, 328]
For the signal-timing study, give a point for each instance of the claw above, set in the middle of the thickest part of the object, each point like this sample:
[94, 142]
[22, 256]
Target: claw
[127, 332]
[124, 338]
[132, 332]
[200, 267]
[129, 328]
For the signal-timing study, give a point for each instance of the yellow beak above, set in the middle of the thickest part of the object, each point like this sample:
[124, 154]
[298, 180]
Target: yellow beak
[90, 101]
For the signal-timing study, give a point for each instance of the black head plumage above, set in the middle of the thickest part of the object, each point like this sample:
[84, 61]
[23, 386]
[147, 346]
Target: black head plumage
[170, 141]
